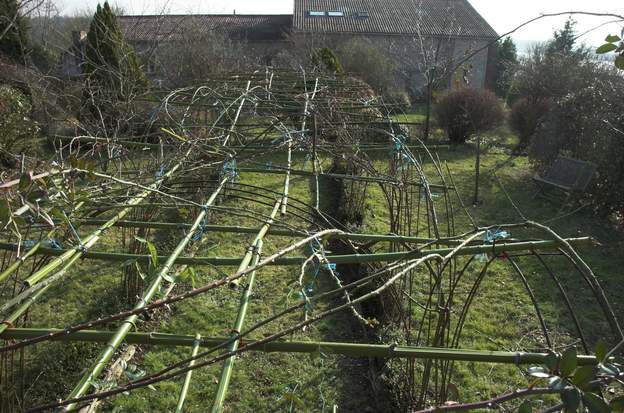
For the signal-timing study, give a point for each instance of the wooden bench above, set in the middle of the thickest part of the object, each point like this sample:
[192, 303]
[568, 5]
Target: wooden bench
[568, 175]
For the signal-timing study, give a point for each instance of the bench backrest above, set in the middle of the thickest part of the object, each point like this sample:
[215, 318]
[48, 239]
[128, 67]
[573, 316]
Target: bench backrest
[572, 173]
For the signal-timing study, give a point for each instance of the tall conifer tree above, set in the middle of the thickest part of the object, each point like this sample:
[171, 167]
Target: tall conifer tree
[13, 30]
[112, 70]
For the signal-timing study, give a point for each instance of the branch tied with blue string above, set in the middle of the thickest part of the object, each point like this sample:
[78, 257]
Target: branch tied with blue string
[229, 170]
[399, 151]
[199, 234]
[48, 243]
[491, 237]
[160, 172]
[315, 256]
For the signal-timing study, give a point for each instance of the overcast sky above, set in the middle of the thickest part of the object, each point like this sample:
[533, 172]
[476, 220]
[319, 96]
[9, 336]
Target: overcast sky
[503, 15]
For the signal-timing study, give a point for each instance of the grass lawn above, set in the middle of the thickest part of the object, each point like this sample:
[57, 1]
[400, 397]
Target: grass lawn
[502, 315]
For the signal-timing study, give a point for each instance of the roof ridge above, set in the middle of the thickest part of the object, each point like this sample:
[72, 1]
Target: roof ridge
[206, 15]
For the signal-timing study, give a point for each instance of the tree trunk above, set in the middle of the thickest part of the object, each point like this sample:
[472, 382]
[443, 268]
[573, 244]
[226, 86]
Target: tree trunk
[477, 171]
[428, 112]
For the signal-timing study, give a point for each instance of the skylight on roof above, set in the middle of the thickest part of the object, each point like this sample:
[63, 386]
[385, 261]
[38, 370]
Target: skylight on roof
[316, 13]
[362, 14]
[335, 13]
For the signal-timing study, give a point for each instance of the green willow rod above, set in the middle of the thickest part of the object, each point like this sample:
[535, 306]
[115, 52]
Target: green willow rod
[251, 258]
[188, 376]
[497, 248]
[98, 366]
[276, 232]
[67, 258]
[281, 346]
[31, 251]
[228, 364]
[93, 238]
[296, 172]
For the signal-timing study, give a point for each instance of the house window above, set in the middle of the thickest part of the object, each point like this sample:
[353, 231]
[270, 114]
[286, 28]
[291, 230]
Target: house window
[316, 13]
[335, 13]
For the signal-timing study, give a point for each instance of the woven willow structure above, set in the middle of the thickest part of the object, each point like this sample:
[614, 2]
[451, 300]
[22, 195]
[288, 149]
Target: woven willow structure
[283, 166]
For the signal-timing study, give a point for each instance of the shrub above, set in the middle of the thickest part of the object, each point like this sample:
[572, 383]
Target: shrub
[545, 73]
[326, 58]
[397, 101]
[16, 127]
[368, 61]
[526, 116]
[587, 124]
[467, 111]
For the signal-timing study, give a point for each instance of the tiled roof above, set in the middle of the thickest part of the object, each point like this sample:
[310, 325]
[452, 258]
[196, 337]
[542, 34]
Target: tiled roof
[177, 27]
[427, 17]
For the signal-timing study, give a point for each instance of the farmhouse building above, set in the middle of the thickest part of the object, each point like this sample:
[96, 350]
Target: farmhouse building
[417, 34]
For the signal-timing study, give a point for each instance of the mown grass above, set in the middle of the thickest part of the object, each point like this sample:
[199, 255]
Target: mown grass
[261, 382]
[502, 316]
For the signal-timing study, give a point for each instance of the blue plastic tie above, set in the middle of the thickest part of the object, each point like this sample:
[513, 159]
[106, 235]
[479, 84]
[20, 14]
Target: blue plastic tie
[493, 236]
[229, 168]
[199, 234]
[52, 243]
[308, 158]
[160, 172]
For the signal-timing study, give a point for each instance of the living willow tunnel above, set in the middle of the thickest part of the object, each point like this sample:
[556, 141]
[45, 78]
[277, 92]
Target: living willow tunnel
[259, 217]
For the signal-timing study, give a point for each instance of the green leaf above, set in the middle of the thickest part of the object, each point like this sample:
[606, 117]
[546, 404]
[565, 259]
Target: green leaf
[551, 361]
[595, 404]
[5, 211]
[539, 372]
[139, 270]
[129, 262]
[617, 404]
[151, 387]
[20, 221]
[525, 407]
[571, 399]
[134, 372]
[619, 62]
[188, 273]
[606, 48]
[57, 213]
[168, 278]
[25, 181]
[568, 362]
[582, 376]
[141, 240]
[612, 38]
[601, 350]
[153, 254]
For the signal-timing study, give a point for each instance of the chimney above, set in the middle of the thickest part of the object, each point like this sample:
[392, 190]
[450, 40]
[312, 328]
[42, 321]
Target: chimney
[234, 12]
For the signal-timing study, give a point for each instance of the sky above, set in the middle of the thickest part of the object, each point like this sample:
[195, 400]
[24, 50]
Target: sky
[503, 15]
